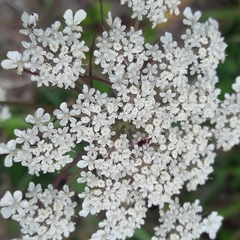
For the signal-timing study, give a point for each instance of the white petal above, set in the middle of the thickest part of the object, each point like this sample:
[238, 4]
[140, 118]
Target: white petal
[39, 113]
[14, 55]
[237, 80]
[84, 212]
[24, 204]
[64, 107]
[30, 119]
[6, 212]
[33, 18]
[8, 161]
[46, 117]
[12, 62]
[197, 15]
[4, 148]
[79, 16]
[8, 64]
[188, 13]
[6, 200]
[58, 113]
[17, 195]
[82, 164]
[68, 16]
[25, 17]
[109, 19]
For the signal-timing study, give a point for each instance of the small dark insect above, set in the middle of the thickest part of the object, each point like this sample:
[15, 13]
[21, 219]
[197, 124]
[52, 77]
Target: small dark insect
[144, 141]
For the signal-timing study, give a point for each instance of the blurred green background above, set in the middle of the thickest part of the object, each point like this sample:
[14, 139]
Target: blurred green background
[221, 193]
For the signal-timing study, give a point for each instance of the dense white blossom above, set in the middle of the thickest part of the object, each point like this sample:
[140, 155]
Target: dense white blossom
[43, 214]
[143, 144]
[186, 222]
[40, 148]
[155, 10]
[49, 54]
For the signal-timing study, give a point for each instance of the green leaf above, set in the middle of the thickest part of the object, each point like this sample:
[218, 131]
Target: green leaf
[141, 234]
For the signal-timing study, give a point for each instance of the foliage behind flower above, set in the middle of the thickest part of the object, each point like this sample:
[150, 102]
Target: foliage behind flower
[4, 110]
[155, 135]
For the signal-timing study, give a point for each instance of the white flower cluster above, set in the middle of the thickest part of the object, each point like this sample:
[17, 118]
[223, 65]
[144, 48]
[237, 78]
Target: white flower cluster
[155, 10]
[227, 119]
[166, 96]
[53, 56]
[157, 135]
[43, 214]
[185, 222]
[4, 110]
[40, 148]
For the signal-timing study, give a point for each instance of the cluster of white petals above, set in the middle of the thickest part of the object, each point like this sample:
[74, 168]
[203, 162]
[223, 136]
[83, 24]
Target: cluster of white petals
[166, 96]
[186, 222]
[155, 10]
[155, 137]
[42, 214]
[53, 56]
[41, 147]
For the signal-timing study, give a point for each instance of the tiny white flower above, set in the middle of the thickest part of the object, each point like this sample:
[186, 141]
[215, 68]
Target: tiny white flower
[191, 18]
[38, 118]
[29, 19]
[9, 149]
[15, 61]
[73, 21]
[12, 203]
[64, 114]
[212, 223]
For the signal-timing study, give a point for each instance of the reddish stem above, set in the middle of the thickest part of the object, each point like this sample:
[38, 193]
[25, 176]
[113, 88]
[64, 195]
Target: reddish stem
[64, 173]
